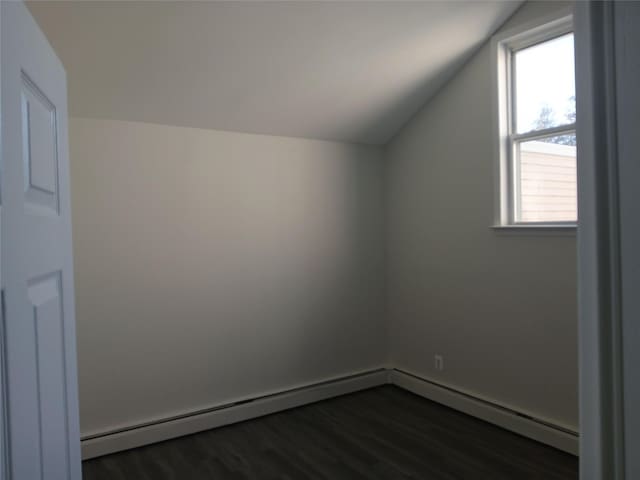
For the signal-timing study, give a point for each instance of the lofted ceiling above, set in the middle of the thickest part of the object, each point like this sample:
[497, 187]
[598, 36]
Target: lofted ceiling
[336, 70]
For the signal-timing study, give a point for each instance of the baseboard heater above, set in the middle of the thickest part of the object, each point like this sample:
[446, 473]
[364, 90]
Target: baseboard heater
[144, 433]
[544, 431]
[157, 430]
[491, 404]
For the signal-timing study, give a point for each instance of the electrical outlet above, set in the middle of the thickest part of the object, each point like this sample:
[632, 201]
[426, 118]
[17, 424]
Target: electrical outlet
[439, 362]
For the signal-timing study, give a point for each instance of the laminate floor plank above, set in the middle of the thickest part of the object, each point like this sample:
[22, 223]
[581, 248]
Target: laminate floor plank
[384, 433]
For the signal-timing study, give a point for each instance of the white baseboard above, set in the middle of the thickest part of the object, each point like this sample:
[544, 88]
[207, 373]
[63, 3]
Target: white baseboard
[503, 417]
[218, 416]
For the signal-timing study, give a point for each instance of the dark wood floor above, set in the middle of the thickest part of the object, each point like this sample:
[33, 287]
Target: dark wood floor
[382, 433]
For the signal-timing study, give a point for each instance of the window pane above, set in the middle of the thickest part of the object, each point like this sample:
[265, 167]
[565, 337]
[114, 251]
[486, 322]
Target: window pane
[547, 181]
[545, 85]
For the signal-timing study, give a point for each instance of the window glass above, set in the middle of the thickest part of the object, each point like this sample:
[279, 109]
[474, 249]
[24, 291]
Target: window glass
[545, 85]
[546, 179]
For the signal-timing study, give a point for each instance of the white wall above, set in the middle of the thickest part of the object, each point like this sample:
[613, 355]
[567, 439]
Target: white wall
[500, 308]
[212, 266]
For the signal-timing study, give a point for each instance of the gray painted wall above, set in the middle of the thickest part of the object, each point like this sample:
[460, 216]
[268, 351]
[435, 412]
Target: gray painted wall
[212, 266]
[500, 308]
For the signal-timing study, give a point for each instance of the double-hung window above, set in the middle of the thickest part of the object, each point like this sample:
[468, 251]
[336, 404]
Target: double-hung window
[536, 134]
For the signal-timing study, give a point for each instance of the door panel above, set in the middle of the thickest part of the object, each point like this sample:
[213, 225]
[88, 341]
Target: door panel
[45, 298]
[39, 147]
[37, 269]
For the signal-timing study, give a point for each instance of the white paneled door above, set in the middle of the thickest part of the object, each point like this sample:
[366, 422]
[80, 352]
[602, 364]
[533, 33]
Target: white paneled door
[41, 436]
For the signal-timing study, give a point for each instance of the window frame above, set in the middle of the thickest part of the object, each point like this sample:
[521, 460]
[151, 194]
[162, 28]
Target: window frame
[504, 45]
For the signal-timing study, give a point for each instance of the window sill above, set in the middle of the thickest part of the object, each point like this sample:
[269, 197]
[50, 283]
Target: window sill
[568, 230]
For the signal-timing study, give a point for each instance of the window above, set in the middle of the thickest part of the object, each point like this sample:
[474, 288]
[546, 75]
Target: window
[536, 134]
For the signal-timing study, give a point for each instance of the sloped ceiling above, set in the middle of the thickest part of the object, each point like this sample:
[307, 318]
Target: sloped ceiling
[347, 71]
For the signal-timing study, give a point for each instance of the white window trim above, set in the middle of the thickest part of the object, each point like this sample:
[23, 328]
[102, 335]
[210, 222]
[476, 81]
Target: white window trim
[539, 30]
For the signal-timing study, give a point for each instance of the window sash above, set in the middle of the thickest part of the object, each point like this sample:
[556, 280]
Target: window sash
[542, 133]
[515, 199]
[504, 44]
[514, 139]
[512, 105]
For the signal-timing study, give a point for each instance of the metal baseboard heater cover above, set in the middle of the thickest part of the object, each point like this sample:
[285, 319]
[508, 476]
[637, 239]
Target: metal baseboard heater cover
[156, 430]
